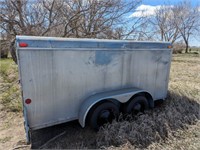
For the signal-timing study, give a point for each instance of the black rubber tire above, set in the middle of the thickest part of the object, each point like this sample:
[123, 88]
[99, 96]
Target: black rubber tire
[95, 114]
[129, 107]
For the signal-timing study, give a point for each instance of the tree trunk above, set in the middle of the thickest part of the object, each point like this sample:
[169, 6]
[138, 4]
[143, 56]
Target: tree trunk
[13, 51]
[186, 47]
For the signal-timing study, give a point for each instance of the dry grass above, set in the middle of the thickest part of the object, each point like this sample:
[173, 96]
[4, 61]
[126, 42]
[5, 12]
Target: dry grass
[11, 121]
[10, 96]
[173, 124]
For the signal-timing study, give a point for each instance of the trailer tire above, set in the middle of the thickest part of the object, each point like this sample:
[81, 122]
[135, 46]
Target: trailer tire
[136, 105]
[103, 113]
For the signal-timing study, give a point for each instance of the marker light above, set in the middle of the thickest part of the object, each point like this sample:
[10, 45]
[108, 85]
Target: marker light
[22, 44]
[169, 46]
[28, 101]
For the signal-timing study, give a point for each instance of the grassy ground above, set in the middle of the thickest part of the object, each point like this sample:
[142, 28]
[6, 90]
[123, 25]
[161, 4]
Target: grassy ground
[171, 125]
[10, 96]
[11, 120]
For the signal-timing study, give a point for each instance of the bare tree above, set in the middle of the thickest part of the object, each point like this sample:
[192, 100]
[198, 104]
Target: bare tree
[95, 19]
[141, 29]
[28, 18]
[164, 25]
[22, 17]
[71, 18]
[186, 19]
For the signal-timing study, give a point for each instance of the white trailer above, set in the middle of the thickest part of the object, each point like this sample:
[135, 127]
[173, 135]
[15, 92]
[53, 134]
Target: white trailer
[91, 80]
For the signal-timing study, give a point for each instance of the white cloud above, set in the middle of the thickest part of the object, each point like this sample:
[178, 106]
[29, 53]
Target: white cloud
[147, 10]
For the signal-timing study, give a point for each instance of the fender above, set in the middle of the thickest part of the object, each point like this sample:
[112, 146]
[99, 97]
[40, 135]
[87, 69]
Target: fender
[122, 96]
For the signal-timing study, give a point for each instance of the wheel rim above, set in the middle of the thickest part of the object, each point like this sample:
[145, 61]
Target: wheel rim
[105, 116]
[138, 107]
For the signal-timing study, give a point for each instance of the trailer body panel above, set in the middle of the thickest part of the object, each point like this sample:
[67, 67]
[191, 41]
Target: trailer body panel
[59, 75]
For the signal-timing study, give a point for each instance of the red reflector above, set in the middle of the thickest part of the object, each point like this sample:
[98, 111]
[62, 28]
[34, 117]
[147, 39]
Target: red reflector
[22, 44]
[28, 101]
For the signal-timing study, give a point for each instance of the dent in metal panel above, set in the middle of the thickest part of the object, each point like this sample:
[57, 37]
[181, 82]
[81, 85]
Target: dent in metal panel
[104, 57]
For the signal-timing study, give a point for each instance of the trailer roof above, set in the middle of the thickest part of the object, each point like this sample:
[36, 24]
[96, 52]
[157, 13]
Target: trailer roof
[57, 42]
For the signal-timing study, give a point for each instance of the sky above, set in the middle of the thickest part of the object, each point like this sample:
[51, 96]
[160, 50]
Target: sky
[169, 2]
[150, 5]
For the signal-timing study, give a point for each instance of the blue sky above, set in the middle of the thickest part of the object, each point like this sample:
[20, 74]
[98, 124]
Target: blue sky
[162, 2]
[193, 41]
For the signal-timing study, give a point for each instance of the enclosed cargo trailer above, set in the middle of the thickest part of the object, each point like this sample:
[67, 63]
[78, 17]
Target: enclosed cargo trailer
[89, 80]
